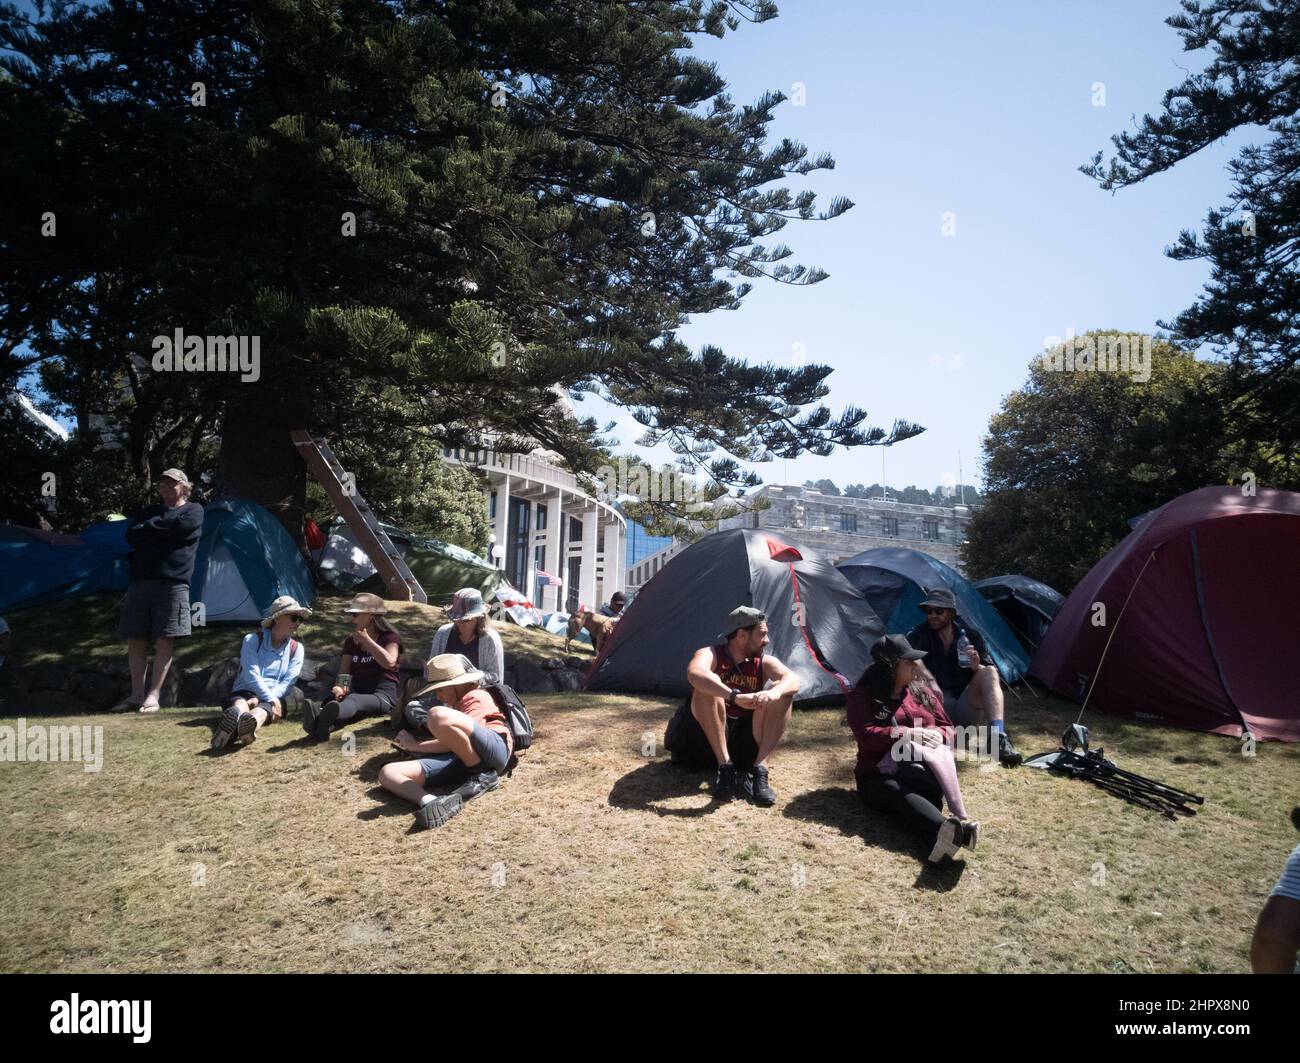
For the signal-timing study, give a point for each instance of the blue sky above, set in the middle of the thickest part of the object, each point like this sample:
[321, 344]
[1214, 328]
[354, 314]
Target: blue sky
[984, 110]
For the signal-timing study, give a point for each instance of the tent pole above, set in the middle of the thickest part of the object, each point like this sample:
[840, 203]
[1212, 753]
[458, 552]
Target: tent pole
[1106, 648]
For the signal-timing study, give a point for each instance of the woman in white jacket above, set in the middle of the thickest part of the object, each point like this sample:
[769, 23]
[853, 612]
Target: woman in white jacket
[470, 634]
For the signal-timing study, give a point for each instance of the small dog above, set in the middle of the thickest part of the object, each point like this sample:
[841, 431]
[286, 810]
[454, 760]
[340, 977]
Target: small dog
[599, 627]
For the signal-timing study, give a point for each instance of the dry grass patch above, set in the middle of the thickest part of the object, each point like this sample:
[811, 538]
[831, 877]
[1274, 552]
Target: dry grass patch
[593, 857]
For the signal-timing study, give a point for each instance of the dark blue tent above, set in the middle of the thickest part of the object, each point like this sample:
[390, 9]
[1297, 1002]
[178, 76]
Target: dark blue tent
[895, 581]
[37, 567]
[1028, 606]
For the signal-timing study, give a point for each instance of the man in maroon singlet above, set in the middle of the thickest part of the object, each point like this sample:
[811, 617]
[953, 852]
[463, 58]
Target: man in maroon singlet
[740, 705]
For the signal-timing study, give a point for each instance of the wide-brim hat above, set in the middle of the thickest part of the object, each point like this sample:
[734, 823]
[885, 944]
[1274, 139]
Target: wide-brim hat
[940, 598]
[367, 603]
[286, 603]
[467, 604]
[448, 670]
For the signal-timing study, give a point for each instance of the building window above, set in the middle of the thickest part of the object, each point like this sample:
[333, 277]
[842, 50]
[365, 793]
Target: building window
[575, 530]
[517, 543]
[539, 565]
[849, 523]
[541, 516]
[600, 540]
[492, 506]
[891, 525]
[571, 597]
[930, 529]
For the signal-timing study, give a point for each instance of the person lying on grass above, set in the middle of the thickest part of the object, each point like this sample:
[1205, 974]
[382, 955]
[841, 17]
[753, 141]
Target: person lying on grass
[904, 762]
[269, 662]
[739, 708]
[469, 748]
[368, 671]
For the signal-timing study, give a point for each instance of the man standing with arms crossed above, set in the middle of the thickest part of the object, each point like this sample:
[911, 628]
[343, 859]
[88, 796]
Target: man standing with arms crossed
[734, 721]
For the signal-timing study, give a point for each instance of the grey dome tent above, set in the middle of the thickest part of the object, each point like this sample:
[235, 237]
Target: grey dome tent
[818, 625]
[1028, 606]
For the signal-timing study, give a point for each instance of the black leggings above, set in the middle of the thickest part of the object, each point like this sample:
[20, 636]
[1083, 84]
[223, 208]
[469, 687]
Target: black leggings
[911, 791]
[378, 703]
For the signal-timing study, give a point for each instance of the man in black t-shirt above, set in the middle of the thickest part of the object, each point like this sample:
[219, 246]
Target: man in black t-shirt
[972, 691]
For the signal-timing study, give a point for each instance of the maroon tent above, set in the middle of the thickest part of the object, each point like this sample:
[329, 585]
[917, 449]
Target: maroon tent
[1207, 641]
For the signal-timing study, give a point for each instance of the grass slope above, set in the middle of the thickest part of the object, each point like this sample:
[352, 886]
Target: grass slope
[596, 857]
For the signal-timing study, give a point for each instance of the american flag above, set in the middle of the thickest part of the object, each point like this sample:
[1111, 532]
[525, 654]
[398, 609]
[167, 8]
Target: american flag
[545, 579]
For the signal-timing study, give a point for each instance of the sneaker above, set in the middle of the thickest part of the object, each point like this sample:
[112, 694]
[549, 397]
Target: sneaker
[970, 834]
[758, 789]
[325, 721]
[246, 728]
[1007, 753]
[479, 783]
[724, 786]
[436, 812]
[945, 842]
[227, 727]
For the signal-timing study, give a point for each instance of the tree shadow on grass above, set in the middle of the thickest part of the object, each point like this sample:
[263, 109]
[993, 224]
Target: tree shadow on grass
[841, 808]
[643, 788]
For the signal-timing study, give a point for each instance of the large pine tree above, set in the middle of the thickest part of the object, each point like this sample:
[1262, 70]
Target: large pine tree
[1248, 310]
[430, 212]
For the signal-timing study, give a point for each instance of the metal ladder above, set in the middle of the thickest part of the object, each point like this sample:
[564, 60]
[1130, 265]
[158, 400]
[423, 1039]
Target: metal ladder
[330, 474]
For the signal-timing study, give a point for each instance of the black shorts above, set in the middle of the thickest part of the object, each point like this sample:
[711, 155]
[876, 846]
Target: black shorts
[686, 741]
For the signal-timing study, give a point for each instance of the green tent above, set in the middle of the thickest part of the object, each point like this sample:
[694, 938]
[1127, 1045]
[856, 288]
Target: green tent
[441, 568]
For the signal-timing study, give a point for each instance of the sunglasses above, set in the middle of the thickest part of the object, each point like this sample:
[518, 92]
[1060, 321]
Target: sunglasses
[930, 610]
[297, 619]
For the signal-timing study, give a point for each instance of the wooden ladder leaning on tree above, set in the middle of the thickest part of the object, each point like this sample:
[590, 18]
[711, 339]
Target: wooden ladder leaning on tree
[321, 462]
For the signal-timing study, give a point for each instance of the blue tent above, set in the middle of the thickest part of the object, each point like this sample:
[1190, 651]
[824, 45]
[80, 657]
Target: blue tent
[245, 561]
[37, 568]
[895, 581]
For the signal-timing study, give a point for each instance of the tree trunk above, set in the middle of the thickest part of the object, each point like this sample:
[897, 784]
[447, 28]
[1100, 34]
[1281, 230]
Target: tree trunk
[258, 460]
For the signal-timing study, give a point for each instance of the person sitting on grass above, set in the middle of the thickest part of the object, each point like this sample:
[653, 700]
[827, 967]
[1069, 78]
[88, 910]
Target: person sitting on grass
[904, 763]
[739, 708]
[1275, 946]
[367, 679]
[471, 634]
[469, 748]
[972, 691]
[269, 663]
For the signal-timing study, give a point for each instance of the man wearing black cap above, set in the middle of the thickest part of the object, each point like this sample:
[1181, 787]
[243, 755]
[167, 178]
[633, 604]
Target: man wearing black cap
[740, 707]
[972, 693]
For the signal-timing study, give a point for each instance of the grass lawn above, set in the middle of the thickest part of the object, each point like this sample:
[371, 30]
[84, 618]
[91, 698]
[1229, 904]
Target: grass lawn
[595, 857]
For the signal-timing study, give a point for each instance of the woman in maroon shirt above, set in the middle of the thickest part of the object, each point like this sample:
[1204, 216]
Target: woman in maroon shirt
[370, 656]
[904, 762]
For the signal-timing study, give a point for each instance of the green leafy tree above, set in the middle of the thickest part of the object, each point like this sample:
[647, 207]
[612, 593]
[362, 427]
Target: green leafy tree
[826, 487]
[466, 204]
[1072, 455]
[1247, 312]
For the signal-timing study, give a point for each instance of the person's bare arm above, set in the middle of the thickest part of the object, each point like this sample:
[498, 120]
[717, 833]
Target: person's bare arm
[701, 676]
[385, 656]
[783, 680]
[1277, 937]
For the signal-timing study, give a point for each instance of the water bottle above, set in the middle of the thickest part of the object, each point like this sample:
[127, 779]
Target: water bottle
[963, 644]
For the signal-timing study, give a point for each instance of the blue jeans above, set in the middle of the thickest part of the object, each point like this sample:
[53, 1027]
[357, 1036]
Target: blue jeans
[447, 769]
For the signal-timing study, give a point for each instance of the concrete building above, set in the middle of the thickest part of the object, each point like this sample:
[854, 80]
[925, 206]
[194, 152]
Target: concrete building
[840, 527]
[542, 520]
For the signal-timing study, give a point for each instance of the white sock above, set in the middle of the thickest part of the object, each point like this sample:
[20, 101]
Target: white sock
[425, 799]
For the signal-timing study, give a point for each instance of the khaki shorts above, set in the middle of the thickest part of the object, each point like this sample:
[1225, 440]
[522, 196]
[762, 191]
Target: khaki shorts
[153, 609]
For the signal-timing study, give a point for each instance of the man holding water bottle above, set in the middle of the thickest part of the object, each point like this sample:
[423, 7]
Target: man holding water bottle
[956, 656]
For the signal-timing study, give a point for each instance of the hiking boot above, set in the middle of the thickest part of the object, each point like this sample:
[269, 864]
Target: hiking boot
[325, 721]
[1007, 753]
[481, 782]
[397, 716]
[970, 834]
[310, 713]
[758, 789]
[436, 812]
[945, 841]
[724, 786]
[227, 727]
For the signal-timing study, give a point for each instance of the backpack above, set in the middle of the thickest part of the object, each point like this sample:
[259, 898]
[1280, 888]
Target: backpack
[517, 718]
[293, 643]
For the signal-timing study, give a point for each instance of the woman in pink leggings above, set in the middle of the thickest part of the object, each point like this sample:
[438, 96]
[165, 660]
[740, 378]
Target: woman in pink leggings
[905, 763]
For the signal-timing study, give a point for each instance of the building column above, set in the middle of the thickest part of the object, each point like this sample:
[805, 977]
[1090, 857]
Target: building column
[587, 576]
[554, 562]
[616, 574]
[501, 525]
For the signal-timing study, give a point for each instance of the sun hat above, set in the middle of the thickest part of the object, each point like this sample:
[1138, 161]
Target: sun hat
[446, 670]
[367, 603]
[467, 604]
[286, 603]
[940, 598]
